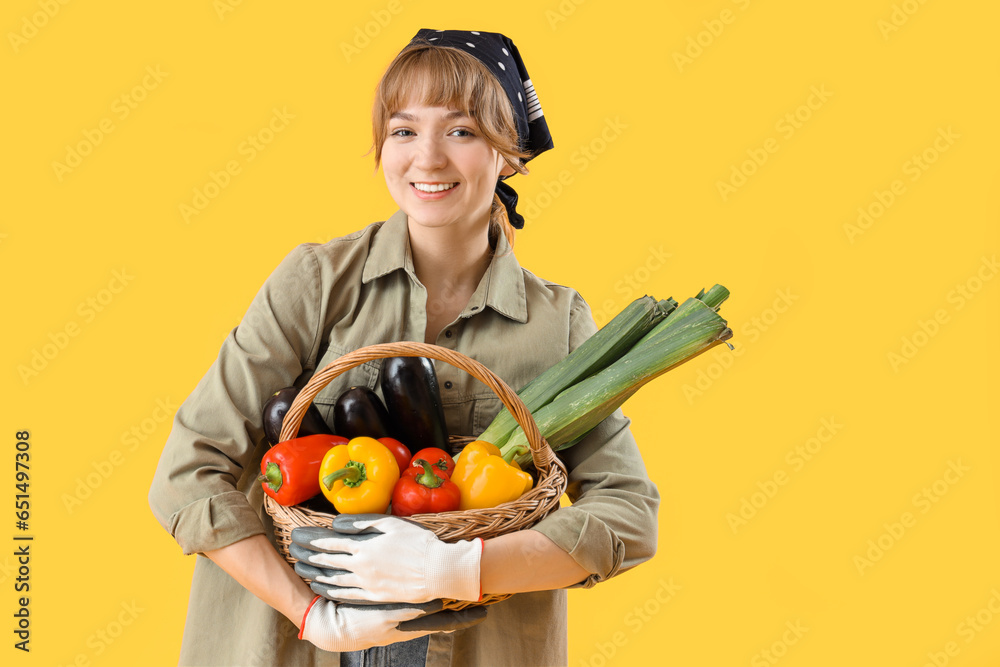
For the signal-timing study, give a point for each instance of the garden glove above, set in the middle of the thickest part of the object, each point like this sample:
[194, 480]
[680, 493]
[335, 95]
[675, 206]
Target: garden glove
[381, 558]
[334, 626]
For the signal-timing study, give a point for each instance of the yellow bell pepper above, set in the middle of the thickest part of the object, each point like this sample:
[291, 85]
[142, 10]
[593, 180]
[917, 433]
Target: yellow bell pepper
[486, 479]
[358, 477]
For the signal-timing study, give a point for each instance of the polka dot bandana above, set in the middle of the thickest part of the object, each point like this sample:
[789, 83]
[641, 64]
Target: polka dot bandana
[501, 57]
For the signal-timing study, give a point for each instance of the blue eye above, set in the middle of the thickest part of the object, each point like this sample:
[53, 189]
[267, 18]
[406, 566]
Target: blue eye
[402, 132]
[463, 132]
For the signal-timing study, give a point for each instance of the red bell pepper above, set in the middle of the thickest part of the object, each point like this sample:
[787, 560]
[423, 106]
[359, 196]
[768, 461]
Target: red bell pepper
[424, 493]
[439, 459]
[400, 451]
[290, 469]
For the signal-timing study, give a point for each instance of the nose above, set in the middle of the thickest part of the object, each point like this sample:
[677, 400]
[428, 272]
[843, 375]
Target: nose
[429, 154]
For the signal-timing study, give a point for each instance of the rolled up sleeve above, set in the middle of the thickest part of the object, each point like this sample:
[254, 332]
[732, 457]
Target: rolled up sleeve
[611, 525]
[195, 493]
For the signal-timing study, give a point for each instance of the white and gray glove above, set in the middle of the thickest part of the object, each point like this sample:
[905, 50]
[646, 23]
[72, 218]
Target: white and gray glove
[334, 626]
[381, 558]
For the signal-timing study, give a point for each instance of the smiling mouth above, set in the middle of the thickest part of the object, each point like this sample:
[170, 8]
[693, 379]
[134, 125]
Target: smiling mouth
[433, 187]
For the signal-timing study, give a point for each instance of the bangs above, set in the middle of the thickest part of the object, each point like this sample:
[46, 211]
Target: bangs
[434, 77]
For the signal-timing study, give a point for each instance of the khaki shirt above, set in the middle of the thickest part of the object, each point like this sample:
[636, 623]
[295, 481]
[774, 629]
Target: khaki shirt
[320, 303]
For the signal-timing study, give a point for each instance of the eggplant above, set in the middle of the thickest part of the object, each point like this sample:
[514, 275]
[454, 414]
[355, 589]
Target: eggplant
[410, 388]
[276, 408]
[360, 412]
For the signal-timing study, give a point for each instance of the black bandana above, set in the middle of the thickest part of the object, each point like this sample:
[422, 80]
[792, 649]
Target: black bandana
[500, 56]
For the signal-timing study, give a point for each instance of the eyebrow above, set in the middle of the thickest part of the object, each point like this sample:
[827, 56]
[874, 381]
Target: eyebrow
[451, 115]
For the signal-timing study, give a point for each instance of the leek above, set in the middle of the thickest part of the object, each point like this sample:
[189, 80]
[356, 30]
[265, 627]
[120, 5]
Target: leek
[692, 328]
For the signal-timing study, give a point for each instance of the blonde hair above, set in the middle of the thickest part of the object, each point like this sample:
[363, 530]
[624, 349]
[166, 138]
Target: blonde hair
[444, 76]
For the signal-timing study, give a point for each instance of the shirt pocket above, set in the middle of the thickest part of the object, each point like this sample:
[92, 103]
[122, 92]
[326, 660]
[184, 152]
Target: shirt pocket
[365, 375]
[487, 407]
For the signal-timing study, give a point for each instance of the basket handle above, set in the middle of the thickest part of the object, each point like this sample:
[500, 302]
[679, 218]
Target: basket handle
[541, 454]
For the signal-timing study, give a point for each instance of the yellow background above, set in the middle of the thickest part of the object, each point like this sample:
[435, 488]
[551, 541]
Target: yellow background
[661, 132]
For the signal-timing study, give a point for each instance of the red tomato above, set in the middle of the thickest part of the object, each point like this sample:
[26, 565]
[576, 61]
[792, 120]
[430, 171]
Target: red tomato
[399, 451]
[439, 459]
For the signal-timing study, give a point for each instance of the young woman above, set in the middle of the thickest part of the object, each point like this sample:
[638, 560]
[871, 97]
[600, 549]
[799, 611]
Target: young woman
[455, 113]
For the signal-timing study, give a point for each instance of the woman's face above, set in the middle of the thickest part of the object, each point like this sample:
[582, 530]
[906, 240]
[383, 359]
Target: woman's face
[439, 169]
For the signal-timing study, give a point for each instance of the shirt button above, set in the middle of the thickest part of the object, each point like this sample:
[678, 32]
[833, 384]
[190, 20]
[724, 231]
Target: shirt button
[447, 385]
[447, 333]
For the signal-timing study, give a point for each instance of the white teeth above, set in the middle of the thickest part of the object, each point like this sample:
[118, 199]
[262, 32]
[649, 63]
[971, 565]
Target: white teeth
[436, 187]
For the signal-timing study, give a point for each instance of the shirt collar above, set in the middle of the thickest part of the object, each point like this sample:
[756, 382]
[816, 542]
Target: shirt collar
[389, 250]
[501, 288]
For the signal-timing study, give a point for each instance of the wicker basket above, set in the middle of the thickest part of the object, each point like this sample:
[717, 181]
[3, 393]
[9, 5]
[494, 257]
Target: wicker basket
[522, 513]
